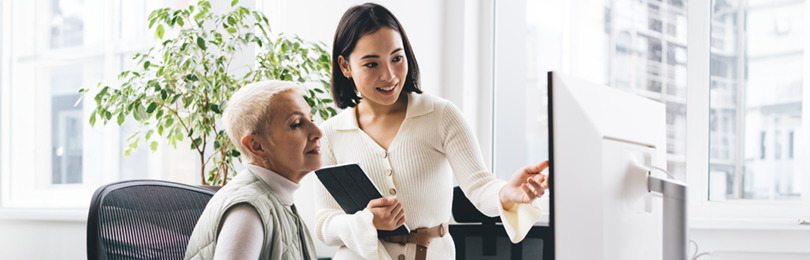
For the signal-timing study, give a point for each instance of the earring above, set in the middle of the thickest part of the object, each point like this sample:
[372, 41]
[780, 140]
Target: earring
[265, 159]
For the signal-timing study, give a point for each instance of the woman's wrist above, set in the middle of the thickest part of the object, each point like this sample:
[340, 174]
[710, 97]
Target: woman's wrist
[505, 203]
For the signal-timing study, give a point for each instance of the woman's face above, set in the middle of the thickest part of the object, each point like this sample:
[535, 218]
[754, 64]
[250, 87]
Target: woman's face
[377, 66]
[295, 147]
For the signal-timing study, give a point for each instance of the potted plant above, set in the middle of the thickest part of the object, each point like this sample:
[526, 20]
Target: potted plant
[182, 86]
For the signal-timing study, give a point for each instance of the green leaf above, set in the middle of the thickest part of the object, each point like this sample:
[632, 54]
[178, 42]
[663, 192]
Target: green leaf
[149, 134]
[140, 113]
[201, 42]
[178, 134]
[107, 115]
[180, 21]
[234, 2]
[196, 142]
[121, 117]
[146, 65]
[319, 90]
[159, 32]
[151, 108]
[93, 118]
[133, 135]
[174, 99]
[159, 114]
[153, 146]
[231, 21]
[231, 30]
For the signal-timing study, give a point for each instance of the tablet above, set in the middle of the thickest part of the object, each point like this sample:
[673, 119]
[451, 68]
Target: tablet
[352, 189]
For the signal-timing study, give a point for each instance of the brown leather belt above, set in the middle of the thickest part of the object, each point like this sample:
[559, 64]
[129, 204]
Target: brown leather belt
[421, 237]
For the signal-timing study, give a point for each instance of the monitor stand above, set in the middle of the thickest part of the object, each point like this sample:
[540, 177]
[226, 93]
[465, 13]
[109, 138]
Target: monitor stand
[675, 239]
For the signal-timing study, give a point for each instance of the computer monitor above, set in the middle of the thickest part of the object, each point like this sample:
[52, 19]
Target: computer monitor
[602, 143]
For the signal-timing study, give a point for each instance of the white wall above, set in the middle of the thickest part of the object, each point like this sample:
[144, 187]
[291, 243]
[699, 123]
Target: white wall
[43, 239]
[749, 243]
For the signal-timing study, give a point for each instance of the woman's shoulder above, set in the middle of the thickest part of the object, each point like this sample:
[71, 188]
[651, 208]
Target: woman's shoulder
[244, 187]
[344, 119]
[438, 104]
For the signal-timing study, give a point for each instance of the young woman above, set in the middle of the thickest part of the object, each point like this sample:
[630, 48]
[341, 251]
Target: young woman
[411, 145]
[253, 217]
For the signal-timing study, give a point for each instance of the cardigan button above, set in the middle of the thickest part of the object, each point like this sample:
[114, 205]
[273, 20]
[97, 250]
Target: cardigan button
[389, 172]
[401, 257]
[392, 191]
[385, 154]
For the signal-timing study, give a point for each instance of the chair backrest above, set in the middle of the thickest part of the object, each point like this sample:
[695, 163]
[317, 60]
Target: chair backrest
[465, 212]
[143, 219]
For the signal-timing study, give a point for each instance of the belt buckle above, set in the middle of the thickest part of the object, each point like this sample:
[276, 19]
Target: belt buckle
[441, 230]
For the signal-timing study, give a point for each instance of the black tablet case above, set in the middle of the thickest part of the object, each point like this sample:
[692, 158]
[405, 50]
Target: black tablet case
[352, 189]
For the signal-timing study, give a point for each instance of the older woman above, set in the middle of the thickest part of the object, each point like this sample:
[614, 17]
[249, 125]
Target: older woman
[253, 217]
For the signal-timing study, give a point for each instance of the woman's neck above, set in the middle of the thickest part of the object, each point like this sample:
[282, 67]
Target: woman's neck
[370, 108]
[286, 173]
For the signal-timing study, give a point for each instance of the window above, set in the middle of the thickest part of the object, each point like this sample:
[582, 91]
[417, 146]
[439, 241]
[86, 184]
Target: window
[747, 80]
[759, 82]
[56, 48]
[636, 46]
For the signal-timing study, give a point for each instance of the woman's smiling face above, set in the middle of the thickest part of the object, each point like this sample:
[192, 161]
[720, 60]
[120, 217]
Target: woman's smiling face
[378, 66]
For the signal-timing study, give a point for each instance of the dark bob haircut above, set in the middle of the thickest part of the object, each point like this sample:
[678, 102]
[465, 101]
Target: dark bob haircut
[356, 22]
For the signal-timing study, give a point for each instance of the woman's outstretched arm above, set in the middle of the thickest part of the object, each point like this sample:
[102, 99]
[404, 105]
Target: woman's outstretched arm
[478, 184]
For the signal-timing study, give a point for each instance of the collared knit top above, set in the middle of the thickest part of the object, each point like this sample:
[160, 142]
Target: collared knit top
[434, 144]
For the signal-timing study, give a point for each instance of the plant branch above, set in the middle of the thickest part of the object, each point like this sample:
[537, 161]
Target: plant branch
[179, 119]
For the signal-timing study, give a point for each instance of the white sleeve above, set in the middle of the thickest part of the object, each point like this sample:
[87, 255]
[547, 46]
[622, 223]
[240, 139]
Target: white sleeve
[241, 234]
[336, 228]
[479, 185]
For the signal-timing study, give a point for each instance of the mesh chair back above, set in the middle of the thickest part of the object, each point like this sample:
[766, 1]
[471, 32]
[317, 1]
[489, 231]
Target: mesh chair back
[143, 219]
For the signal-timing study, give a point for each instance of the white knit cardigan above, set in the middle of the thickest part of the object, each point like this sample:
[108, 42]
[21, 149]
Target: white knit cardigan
[433, 145]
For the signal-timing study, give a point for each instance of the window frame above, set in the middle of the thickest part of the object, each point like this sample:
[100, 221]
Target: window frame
[697, 137]
[702, 211]
[22, 174]
[25, 186]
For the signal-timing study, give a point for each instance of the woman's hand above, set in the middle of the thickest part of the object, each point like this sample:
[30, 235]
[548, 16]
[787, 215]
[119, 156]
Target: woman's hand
[525, 185]
[388, 213]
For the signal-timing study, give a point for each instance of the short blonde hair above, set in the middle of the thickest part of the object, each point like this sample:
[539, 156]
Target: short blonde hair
[248, 111]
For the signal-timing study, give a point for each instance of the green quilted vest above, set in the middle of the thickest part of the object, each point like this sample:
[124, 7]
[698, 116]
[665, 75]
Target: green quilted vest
[284, 230]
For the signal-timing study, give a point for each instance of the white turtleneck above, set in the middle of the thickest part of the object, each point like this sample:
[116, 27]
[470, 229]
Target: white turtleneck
[283, 188]
[242, 233]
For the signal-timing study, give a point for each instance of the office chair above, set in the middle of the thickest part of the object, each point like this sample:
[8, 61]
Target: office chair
[474, 226]
[143, 219]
